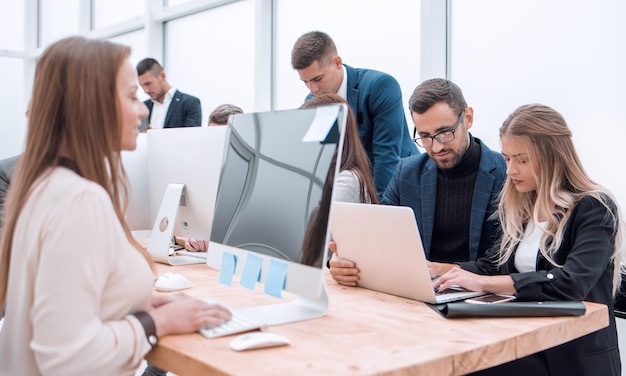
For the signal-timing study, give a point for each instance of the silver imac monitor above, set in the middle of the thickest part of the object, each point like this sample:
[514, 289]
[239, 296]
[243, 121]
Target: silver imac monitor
[270, 188]
[135, 164]
[183, 172]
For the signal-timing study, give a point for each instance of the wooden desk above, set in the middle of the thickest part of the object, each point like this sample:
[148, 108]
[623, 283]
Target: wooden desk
[364, 333]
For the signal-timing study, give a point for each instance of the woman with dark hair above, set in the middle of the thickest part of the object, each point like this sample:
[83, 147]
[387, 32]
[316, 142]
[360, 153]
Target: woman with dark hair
[85, 306]
[354, 181]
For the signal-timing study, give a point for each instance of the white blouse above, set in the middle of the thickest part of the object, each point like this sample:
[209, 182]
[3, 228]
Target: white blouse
[74, 282]
[528, 248]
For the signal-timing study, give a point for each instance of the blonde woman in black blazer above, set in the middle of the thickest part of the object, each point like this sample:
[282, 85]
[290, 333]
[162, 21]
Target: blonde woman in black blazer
[562, 239]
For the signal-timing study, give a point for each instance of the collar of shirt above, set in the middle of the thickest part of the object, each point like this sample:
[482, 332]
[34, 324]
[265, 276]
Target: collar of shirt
[167, 99]
[159, 110]
[343, 88]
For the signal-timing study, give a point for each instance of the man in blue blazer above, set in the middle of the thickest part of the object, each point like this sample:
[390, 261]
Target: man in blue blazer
[375, 99]
[452, 188]
[169, 108]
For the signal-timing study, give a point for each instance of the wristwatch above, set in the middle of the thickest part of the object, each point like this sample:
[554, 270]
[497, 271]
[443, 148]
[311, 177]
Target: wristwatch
[148, 326]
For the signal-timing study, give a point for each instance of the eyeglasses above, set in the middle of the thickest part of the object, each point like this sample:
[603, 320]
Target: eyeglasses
[443, 137]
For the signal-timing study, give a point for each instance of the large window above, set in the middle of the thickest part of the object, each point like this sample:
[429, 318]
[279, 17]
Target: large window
[13, 106]
[110, 12]
[59, 18]
[567, 54]
[211, 55]
[12, 25]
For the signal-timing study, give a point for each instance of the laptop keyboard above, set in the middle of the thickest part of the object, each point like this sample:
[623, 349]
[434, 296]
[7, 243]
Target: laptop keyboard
[237, 324]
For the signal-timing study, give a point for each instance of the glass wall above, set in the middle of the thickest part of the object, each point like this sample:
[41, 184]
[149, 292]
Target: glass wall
[211, 56]
[110, 12]
[224, 51]
[567, 54]
[136, 41]
[12, 26]
[59, 18]
[13, 103]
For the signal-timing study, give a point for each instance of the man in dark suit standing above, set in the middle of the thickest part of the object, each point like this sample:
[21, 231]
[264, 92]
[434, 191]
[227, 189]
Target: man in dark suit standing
[375, 98]
[169, 108]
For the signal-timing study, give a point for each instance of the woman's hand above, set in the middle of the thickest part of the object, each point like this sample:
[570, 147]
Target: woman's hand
[194, 245]
[343, 271]
[183, 314]
[497, 284]
[437, 268]
[461, 278]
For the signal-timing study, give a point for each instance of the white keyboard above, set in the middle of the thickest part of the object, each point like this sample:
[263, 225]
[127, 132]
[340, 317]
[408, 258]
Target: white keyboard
[237, 324]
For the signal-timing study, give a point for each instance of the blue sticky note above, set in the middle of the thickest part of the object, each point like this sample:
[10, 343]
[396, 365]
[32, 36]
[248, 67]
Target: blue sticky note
[227, 269]
[251, 271]
[275, 280]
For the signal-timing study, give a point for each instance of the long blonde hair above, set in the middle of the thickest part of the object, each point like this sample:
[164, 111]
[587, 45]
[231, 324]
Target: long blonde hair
[561, 184]
[75, 114]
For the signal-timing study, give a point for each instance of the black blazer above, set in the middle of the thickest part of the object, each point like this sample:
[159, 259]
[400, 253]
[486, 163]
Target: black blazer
[586, 274]
[184, 111]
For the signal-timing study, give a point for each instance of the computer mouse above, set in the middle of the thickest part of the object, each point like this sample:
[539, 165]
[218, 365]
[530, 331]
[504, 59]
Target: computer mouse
[172, 282]
[258, 340]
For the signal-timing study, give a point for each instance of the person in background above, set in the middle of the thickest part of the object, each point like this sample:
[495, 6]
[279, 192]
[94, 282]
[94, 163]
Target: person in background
[84, 306]
[375, 98]
[168, 107]
[218, 117]
[221, 113]
[562, 239]
[354, 181]
[452, 188]
[7, 166]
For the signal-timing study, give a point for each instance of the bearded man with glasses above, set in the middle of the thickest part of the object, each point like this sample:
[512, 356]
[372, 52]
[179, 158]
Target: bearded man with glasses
[452, 188]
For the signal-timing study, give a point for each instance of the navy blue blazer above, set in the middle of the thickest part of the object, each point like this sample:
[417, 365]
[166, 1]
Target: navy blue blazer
[414, 184]
[376, 101]
[586, 274]
[184, 111]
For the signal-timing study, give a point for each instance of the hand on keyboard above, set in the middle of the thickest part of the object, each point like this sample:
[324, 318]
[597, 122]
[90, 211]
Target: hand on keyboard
[237, 324]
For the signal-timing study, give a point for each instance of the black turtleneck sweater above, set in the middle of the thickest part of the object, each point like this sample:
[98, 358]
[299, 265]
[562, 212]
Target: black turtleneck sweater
[455, 188]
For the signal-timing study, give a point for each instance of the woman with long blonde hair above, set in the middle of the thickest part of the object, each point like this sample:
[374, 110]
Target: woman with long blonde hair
[75, 287]
[562, 239]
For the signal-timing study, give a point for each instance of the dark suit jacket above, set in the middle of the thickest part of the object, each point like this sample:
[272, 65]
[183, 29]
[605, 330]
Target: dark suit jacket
[586, 274]
[184, 111]
[414, 184]
[7, 166]
[376, 101]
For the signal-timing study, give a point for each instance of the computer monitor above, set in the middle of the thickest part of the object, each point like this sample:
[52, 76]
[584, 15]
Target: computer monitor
[184, 167]
[135, 164]
[271, 183]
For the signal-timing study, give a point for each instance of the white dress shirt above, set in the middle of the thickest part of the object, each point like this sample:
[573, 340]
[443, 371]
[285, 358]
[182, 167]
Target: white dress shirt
[159, 110]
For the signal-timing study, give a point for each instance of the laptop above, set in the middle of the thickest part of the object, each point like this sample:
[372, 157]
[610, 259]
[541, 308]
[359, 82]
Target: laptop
[385, 244]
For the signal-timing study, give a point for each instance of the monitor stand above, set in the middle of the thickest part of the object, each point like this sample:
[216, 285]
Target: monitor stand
[163, 229]
[298, 309]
